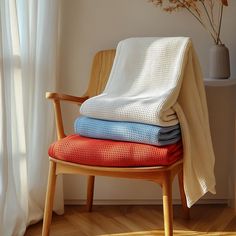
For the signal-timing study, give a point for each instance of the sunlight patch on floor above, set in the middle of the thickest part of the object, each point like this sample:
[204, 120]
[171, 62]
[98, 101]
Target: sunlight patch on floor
[176, 232]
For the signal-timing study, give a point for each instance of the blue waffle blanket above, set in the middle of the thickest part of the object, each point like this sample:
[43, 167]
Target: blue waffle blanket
[127, 131]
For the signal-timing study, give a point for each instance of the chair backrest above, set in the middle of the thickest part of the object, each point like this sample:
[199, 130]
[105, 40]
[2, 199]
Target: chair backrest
[101, 68]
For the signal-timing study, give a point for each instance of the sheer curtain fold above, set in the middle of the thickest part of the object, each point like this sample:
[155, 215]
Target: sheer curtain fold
[28, 63]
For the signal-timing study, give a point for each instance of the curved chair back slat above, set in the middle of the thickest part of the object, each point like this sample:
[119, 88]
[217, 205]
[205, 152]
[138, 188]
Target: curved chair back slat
[101, 68]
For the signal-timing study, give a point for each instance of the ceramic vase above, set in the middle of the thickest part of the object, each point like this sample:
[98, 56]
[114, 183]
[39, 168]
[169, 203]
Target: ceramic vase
[219, 62]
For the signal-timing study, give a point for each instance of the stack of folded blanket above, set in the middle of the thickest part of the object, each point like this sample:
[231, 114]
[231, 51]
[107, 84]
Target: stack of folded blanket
[127, 131]
[156, 84]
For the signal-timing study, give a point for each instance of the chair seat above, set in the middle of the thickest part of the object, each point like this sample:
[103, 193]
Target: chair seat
[109, 153]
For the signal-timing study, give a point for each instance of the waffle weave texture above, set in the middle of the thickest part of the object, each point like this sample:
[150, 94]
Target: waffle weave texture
[127, 131]
[158, 81]
[97, 152]
[143, 80]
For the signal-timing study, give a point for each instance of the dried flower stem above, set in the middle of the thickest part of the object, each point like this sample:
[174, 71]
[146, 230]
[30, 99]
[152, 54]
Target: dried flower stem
[220, 23]
[211, 5]
[198, 19]
[202, 10]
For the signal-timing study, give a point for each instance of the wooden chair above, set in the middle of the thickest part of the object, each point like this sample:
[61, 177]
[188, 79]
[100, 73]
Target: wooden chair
[162, 175]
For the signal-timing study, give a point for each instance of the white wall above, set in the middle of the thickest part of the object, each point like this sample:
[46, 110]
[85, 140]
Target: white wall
[92, 25]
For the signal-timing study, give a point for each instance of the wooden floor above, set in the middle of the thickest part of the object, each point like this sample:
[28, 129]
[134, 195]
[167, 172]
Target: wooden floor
[139, 220]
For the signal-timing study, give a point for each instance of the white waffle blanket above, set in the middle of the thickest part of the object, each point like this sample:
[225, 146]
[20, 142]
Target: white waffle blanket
[158, 81]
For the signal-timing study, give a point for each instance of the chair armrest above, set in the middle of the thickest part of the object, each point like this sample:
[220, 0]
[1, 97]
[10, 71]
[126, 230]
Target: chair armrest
[57, 98]
[65, 97]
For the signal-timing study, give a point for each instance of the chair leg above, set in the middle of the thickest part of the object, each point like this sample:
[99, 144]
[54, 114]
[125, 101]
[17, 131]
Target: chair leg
[49, 199]
[90, 191]
[167, 205]
[186, 210]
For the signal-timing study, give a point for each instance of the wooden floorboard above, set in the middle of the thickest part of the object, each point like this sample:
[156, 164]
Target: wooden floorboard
[215, 220]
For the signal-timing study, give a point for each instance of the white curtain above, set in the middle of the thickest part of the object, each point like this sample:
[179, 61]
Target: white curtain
[28, 65]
